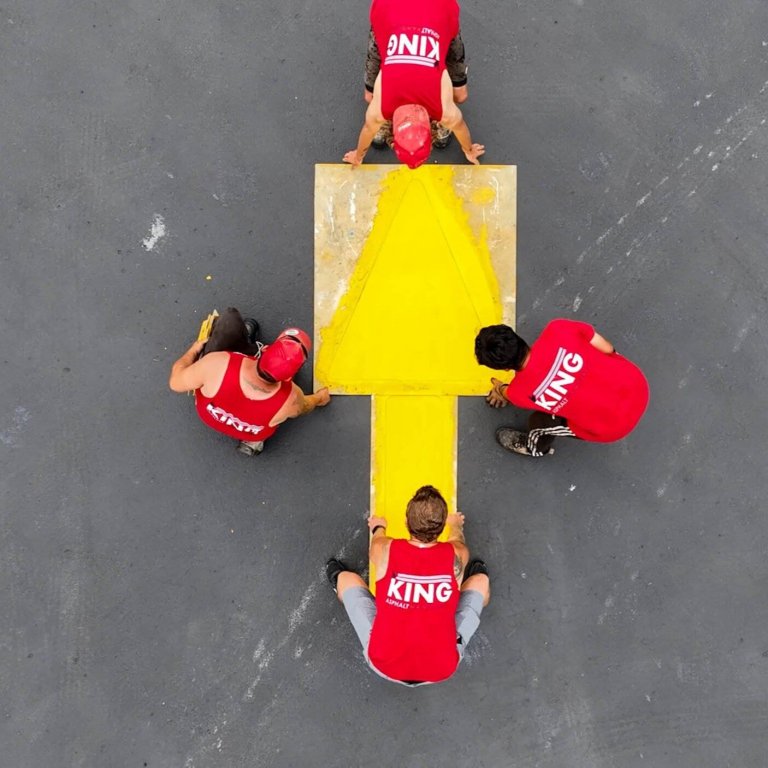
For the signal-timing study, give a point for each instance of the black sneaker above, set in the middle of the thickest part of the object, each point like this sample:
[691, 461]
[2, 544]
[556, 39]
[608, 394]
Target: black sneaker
[251, 329]
[475, 566]
[516, 441]
[253, 448]
[332, 570]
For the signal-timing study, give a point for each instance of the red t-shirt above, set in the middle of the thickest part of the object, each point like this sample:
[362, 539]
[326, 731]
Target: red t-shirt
[413, 37]
[414, 633]
[602, 396]
[231, 412]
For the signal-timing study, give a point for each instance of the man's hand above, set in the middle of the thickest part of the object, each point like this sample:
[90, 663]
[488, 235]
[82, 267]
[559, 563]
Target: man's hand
[197, 348]
[373, 521]
[455, 521]
[323, 396]
[496, 397]
[474, 151]
[353, 157]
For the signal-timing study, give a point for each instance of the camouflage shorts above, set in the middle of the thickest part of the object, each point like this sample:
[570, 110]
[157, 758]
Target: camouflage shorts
[457, 68]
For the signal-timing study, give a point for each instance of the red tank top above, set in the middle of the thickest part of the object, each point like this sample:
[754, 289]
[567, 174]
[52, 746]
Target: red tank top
[231, 412]
[413, 37]
[414, 633]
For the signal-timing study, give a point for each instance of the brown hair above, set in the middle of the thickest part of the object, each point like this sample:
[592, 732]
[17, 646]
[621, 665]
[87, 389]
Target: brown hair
[426, 514]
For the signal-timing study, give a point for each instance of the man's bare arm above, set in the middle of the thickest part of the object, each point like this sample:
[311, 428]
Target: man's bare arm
[299, 404]
[455, 525]
[373, 121]
[187, 371]
[598, 342]
[378, 551]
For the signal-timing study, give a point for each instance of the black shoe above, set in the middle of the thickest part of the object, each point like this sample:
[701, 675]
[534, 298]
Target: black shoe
[332, 570]
[475, 566]
[253, 448]
[516, 441]
[252, 329]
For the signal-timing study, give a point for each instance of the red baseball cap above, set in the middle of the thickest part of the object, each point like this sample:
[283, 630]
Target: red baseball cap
[412, 134]
[282, 359]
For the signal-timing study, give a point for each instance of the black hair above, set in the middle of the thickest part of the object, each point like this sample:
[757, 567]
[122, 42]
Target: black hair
[499, 347]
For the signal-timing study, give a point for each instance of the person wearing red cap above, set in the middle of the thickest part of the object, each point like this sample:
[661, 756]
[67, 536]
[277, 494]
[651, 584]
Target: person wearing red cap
[244, 388]
[413, 86]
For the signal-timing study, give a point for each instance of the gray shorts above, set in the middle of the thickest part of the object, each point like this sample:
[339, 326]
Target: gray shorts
[360, 605]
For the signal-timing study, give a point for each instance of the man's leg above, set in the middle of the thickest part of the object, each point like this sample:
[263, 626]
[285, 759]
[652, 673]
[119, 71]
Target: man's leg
[457, 71]
[231, 334]
[383, 137]
[357, 599]
[372, 63]
[457, 68]
[543, 428]
[475, 595]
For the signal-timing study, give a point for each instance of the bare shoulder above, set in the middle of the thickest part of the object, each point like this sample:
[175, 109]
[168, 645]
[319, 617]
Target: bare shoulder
[379, 553]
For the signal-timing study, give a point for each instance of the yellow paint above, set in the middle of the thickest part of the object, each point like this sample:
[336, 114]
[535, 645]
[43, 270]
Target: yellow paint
[404, 327]
[483, 195]
[413, 443]
[206, 326]
[421, 289]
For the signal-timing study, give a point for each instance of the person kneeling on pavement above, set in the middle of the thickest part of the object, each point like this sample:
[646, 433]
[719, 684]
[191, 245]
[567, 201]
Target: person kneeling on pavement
[573, 378]
[428, 599]
[242, 387]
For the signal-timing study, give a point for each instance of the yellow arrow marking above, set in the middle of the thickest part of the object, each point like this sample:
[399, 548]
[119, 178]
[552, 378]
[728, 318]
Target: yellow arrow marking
[413, 443]
[403, 331]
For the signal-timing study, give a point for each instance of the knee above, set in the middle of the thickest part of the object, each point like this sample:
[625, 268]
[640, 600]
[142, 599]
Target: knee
[460, 94]
[348, 579]
[479, 583]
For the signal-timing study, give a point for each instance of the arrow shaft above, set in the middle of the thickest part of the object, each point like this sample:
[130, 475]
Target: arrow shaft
[413, 443]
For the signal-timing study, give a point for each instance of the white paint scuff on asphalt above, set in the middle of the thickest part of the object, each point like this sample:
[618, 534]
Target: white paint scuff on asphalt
[156, 232]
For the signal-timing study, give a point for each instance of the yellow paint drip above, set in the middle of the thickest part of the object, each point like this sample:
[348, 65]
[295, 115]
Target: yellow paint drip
[421, 289]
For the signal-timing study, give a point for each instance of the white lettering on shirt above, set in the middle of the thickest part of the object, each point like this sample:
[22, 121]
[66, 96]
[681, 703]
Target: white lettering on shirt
[551, 394]
[405, 590]
[227, 419]
[421, 49]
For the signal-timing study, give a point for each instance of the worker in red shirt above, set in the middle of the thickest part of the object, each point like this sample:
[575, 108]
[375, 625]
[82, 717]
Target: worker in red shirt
[428, 597]
[413, 88]
[573, 378]
[243, 388]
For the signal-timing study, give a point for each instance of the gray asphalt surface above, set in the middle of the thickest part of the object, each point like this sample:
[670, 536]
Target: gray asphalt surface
[161, 598]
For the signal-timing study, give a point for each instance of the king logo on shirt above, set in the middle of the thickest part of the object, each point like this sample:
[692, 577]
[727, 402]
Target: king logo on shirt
[405, 590]
[552, 392]
[418, 48]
